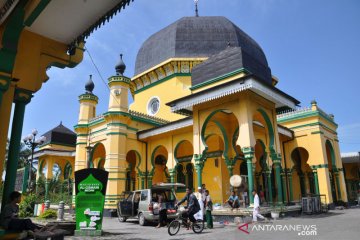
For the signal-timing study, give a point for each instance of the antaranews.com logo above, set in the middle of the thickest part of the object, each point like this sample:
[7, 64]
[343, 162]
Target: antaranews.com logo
[301, 229]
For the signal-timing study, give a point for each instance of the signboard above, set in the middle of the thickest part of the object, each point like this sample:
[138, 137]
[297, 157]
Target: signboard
[22, 175]
[90, 190]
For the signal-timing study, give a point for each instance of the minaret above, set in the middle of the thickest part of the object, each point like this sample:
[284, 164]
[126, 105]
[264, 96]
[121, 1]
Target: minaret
[88, 102]
[119, 87]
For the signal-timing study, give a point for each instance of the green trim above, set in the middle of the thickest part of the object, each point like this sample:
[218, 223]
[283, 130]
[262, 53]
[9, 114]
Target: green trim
[61, 144]
[122, 125]
[317, 132]
[101, 120]
[116, 133]
[10, 38]
[38, 9]
[113, 179]
[302, 115]
[101, 130]
[270, 129]
[216, 79]
[88, 96]
[136, 118]
[226, 142]
[81, 143]
[332, 154]
[118, 79]
[314, 124]
[161, 81]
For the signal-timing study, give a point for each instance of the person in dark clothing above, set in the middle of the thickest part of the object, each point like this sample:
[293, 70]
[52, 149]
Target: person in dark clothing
[193, 205]
[10, 218]
[162, 212]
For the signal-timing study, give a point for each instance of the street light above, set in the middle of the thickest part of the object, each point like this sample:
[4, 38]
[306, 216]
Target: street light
[31, 141]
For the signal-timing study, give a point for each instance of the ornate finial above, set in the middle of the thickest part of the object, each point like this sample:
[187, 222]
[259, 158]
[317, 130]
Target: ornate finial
[60, 122]
[89, 86]
[120, 67]
[313, 102]
[196, 8]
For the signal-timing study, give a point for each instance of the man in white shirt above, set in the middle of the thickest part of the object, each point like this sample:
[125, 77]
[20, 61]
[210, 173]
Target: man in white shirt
[199, 196]
[256, 211]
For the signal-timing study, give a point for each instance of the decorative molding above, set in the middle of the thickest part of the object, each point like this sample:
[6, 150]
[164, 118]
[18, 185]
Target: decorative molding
[213, 80]
[239, 85]
[166, 128]
[88, 97]
[101, 21]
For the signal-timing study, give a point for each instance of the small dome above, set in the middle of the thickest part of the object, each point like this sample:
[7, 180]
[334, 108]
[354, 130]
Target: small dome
[120, 67]
[89, 86]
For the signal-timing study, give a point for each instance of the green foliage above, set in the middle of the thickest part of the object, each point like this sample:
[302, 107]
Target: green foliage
[50, 213]
[58, 190]
[26, 207]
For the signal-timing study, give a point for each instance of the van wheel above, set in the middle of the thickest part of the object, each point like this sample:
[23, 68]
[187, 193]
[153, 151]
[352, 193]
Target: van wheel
[122, 219]
[142, 220]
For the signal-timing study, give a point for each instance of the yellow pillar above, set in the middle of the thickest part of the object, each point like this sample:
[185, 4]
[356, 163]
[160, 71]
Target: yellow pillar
[344, 196]
[324, 183]
[116, 165]
[5, 112]
[339, 166]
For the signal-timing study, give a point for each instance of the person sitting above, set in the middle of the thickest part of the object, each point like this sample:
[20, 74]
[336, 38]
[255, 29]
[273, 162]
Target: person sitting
[10, 218]
[233, 201]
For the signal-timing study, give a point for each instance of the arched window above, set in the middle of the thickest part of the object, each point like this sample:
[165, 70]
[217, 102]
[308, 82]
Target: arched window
[180, 174]
[190, 175]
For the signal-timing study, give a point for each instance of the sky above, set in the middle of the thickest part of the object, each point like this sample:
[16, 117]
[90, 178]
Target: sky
[313, 47]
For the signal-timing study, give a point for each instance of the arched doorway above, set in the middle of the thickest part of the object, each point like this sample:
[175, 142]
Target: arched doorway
[98, 156]
[184, 168]
[159, 171]
[302, 174]
[132, 160]
[333, 172]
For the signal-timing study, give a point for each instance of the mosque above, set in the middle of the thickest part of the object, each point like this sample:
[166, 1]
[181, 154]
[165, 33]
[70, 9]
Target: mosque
[206, 107]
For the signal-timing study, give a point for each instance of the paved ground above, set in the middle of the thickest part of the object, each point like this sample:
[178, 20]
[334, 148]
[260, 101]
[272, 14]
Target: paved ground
[337, 224]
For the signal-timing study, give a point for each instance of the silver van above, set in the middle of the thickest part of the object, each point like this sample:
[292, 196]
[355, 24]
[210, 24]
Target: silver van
[139, 203]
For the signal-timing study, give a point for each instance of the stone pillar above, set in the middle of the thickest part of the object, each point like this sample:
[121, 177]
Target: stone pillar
[270, 186]
[276, 158]
[249, 154]
[199, 165]
[290, 186]
[21, 98]
[316, 181]
[283, 183]
[302, 183]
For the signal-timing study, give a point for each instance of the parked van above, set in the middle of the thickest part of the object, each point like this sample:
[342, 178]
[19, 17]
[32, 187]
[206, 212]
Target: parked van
[140, 203]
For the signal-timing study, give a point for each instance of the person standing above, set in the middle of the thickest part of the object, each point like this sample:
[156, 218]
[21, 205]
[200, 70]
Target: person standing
[256, 211]
[208, 208]
[162, 212]
[200, 197]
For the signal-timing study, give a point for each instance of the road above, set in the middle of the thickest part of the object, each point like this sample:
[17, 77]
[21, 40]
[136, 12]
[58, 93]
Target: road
[337, 224]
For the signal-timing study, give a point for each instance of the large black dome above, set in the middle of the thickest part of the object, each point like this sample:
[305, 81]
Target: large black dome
[195, 37]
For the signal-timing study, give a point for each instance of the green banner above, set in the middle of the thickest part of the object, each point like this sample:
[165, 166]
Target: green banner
[89, 201]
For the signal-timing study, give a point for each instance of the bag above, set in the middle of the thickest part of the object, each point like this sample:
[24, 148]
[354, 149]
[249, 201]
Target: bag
[209, 206]
[196, 204]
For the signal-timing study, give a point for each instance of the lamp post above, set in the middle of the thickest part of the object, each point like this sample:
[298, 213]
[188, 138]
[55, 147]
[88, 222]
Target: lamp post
[31, 141]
